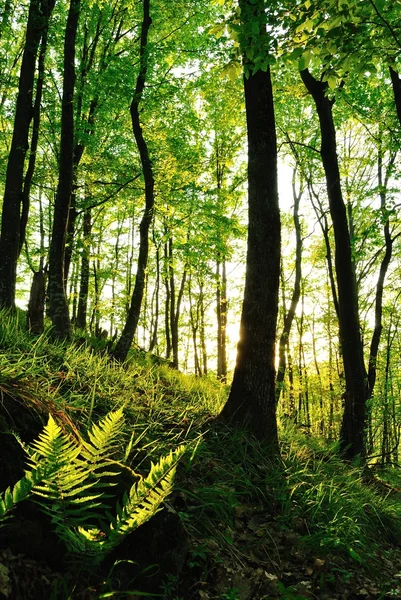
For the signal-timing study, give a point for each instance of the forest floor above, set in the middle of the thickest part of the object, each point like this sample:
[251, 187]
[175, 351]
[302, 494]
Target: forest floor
[237, 525]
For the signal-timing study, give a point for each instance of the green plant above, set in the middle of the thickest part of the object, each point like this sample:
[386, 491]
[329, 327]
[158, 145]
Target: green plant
[73, 479]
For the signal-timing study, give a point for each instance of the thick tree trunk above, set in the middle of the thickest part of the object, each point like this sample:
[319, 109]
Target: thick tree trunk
[352, 433]
[10, 222]
[252, 399]
[57, 295]
[127, 336]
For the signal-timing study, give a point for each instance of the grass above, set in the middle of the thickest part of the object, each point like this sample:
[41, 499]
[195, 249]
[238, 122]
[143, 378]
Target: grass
[244, 514]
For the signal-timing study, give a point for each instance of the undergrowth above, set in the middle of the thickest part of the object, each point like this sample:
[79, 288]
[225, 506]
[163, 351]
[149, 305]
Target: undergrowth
[240, 508]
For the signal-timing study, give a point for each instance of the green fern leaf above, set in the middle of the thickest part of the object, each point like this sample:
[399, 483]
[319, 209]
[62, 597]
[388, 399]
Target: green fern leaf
[144, 498]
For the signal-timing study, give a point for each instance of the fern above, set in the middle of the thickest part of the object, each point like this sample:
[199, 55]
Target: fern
[70, 477]
[144, 498]
[68, 487]
[104, 443]
[21, 491]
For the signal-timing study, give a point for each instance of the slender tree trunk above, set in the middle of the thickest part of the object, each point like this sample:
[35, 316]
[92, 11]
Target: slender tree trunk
[252, 400]
[396, 83]
[319, 377]
[84, 282]
[156, 301]
[36, 305]
[289, 317]
[13, 192]
[374, 346]
[221, 309]
[194, 320]
[167, 302]
[322, 218]
[47, 6]
[127, 336]
[57, 294]
[202, 327]
[352, 434]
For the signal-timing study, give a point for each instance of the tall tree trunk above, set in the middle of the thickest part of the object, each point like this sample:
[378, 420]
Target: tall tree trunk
[84, 282]
[289, 317]
[127, 336]
[155, 303]
[352, 435]
[57, 294]
[166, 280]
[202, 327]
[10, 222]
[374, 345]
[221, 309]
[47, 7]
[252, 400]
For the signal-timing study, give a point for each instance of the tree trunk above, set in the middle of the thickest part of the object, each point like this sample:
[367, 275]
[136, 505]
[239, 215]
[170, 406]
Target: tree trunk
[252, 399]
[289, 317]
[221, 309]
[202, 328]
[36, 305]
[396, 83]
[47, 7]
[10, 222]
[57, 294]
[155, 302]
[84, 283]
[127, 336]
[374, 345]
[352, 433]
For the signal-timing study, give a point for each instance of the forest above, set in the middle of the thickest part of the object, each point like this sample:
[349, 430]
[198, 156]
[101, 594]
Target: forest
[200, 258]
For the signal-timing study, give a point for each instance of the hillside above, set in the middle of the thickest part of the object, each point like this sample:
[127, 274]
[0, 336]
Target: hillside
[237, 525]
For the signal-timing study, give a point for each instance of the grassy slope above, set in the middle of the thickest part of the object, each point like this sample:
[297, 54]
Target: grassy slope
[309, 529]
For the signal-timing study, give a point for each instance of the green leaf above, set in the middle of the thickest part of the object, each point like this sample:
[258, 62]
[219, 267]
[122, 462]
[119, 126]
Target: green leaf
[304, 60]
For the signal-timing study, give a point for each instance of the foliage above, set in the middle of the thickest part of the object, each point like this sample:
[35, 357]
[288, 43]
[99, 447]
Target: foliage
[72, 479]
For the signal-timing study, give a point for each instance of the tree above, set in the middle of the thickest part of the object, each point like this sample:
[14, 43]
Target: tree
[125, 340]
[37, 24]
[58, 306]
[252, 396]
[353, 427]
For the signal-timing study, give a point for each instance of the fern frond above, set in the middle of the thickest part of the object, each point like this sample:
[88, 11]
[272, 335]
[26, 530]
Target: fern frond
[104, 440]
[53, 447]
[21, 490]
[144, 498]
[67, 492]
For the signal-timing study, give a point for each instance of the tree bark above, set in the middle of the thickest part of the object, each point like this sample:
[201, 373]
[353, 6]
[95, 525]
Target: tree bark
[352, 435]
[396, 83]
[84, 282]
[47, 7]
[57, 294]
[252, 399]
[374, 345]
[127, 336]
[10, 222]
[289, 317]
[36, 305]
[221, 309]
